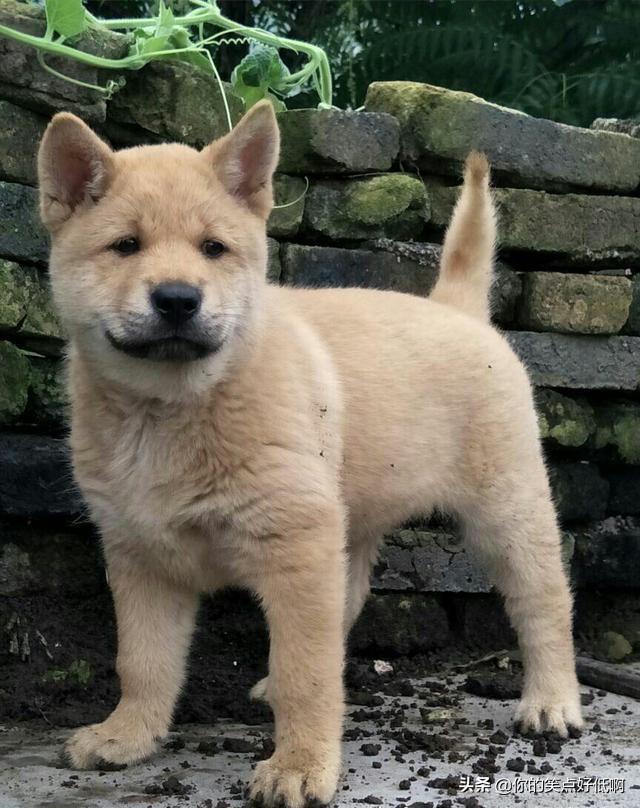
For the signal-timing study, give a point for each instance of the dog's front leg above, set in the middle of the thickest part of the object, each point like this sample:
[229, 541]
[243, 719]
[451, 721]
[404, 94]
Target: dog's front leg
[302, 587]
[155, 624]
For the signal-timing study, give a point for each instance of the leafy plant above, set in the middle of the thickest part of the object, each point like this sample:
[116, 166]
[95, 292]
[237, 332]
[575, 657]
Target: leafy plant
[261, 73]
[569, 60]
[191, 37]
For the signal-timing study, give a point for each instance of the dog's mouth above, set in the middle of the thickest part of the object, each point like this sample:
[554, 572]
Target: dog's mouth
[171, 349]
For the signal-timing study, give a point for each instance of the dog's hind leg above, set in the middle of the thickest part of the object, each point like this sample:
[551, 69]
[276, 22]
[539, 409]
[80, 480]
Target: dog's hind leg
[513, 526]
[361, 558]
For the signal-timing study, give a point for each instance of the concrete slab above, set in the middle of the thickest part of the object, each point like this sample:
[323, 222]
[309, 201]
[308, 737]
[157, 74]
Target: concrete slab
[602, 768]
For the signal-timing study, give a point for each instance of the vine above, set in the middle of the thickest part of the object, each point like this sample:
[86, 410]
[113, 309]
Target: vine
[190, 37]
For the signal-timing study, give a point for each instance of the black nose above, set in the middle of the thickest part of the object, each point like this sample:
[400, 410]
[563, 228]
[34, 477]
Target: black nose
[176, 302]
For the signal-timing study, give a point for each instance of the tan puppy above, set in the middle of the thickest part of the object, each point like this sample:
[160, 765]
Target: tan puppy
[230, 432]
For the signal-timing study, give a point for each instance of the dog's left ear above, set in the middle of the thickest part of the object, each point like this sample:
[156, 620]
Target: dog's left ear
[246, 158]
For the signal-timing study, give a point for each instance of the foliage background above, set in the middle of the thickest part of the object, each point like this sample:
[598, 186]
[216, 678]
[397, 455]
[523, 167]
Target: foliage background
[569, 60]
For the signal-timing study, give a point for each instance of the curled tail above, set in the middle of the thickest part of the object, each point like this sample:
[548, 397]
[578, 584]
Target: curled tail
[466, 265]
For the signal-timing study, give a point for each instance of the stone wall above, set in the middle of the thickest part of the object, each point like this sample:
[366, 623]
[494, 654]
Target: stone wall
[382, 183]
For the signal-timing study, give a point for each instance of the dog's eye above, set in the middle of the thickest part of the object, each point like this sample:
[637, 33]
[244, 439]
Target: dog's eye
[212, 249]
[126, 246]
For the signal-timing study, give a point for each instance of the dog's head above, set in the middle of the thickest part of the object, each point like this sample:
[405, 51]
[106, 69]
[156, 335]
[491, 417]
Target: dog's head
[158, 252]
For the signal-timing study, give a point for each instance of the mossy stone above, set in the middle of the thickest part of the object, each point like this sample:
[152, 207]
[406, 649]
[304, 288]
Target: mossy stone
[289, 193]
[571, 228]
[274, 265]
[579, 491]
[439, 127]
[618, 429]
[20, 130]
[613, 646]
[22, 236]
[376, 200]
[15, 376]
[48, 402]
[633, 323]
[570, 303]
[388, 205]
[565, 421]
[25, 302]
[333, 141]
[174, 100]
[25, 81]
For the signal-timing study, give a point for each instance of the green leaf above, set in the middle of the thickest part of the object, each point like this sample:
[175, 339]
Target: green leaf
[65, 17]
[180, 39]
[154, 44]
[165, 24]
[194, 57]
[261, 70]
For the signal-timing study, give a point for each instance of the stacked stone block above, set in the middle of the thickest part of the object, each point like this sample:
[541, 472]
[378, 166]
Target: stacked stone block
[365, 197]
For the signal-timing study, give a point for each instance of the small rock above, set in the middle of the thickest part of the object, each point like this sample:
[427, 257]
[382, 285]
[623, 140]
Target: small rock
[209, 747]
[613, 646]
[500, 738]
[238, 745]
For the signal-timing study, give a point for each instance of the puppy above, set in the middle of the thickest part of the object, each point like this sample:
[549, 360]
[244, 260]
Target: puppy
[228, 432]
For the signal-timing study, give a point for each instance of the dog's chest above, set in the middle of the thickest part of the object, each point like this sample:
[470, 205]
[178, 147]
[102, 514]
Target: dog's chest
[166, 491]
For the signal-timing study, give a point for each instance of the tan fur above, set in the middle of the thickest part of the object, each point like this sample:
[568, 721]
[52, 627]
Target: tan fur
[466, 267]
[277, 463]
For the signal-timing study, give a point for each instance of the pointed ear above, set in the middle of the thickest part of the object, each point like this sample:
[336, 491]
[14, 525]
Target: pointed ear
[246, 158]
[74, 167]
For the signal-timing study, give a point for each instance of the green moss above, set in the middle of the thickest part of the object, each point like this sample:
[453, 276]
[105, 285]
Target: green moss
[14, 382]
[404, 99]
[388, 205]
[377, 200]
[627, 436]
[25, 301]
[584, 304]
[619, 430]
[613, 646]
[563, 420]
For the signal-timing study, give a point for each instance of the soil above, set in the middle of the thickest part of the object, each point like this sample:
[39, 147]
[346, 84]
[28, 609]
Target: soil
[68, 677]
[79, 685]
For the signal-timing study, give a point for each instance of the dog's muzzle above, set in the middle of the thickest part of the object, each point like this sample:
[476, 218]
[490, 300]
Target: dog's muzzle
[171, 349]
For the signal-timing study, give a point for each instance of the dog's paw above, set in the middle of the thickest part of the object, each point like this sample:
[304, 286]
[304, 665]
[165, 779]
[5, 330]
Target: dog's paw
[281, 781]
[106, 746]
[259, 691]
[540, 711]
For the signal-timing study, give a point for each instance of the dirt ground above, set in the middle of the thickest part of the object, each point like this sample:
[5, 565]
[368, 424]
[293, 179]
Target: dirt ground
[71, 680]
[426, 731]
[436, 741]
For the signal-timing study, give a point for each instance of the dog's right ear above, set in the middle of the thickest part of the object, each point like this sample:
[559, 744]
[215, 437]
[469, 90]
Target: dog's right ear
[74, 168]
